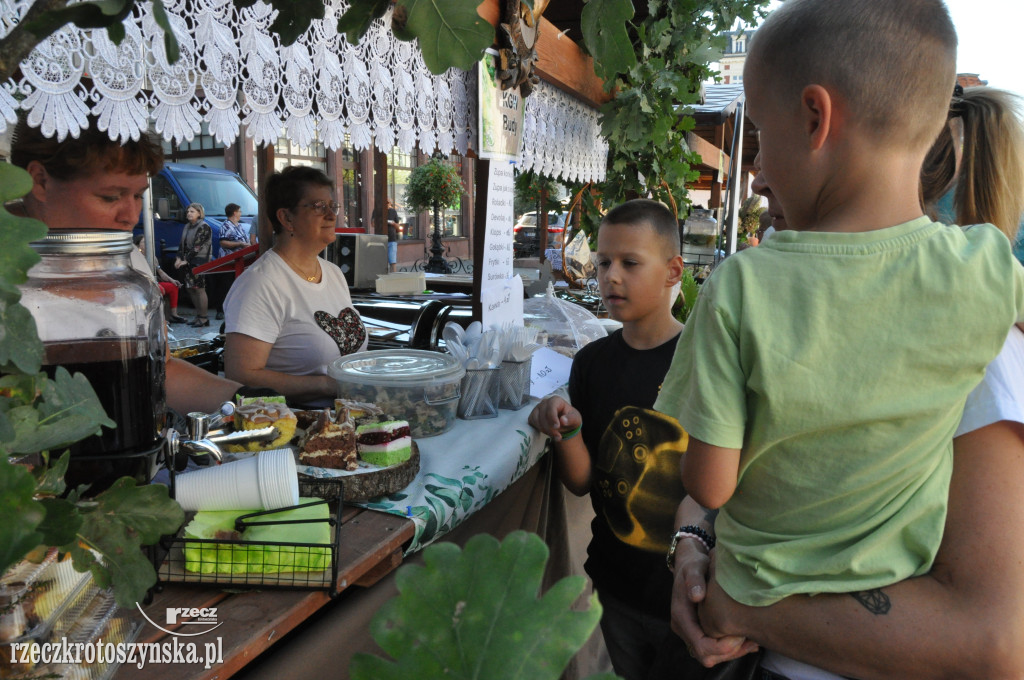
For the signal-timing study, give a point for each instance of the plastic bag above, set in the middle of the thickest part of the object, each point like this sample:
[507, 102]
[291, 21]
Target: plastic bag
[578, 263]
[566, 326]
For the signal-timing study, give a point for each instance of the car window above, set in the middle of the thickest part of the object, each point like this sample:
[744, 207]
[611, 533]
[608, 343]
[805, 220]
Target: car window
[214, 191]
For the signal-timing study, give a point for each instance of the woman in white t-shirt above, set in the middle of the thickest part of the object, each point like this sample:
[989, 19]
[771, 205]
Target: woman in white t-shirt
[290, 313]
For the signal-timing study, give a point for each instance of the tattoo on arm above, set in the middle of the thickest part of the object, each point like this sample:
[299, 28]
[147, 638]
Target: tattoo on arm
[875, 601]
[710, 515]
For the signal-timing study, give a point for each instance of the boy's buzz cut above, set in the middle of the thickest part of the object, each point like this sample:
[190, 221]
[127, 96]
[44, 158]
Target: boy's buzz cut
[644, 211]
[894, 61]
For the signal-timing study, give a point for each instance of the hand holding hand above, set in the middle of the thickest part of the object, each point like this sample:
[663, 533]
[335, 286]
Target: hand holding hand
[688, 591]
[553, 416]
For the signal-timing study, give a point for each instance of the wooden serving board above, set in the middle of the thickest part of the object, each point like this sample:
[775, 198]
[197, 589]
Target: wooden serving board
[363, 484]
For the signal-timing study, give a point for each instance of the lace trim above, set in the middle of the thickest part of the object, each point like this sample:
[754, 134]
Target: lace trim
[233, 71]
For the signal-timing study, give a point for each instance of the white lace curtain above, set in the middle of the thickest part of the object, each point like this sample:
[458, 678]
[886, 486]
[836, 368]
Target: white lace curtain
[234, 75]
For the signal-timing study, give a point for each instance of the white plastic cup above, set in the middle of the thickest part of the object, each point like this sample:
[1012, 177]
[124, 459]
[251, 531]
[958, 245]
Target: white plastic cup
[278, 479]
[231, 486]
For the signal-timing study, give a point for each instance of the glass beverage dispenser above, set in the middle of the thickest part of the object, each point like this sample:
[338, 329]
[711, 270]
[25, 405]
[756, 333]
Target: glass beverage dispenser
[98, 316]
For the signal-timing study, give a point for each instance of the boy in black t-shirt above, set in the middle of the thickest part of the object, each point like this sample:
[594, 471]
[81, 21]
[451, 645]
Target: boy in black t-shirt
[628, 455]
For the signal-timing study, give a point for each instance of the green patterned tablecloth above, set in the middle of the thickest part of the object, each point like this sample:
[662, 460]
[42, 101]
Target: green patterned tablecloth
[462, 470]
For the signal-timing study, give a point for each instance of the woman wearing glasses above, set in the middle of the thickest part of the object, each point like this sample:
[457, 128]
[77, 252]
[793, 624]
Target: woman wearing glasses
[290, 314]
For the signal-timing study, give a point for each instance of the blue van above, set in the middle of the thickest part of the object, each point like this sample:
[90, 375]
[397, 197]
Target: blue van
[178, 185]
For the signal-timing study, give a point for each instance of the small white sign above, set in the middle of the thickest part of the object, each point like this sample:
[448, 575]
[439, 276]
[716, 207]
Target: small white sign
[502, 304]
[550, 370]
[498, 224]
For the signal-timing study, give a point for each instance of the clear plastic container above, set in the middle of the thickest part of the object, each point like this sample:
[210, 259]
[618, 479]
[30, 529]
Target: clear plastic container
[563, 326]
[37, 601]
[418, 386]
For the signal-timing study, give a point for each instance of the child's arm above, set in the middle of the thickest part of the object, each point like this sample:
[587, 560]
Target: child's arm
[557, 418]
[709, 473]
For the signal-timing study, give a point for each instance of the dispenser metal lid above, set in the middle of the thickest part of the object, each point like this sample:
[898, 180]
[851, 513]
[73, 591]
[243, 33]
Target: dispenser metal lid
[84, 242]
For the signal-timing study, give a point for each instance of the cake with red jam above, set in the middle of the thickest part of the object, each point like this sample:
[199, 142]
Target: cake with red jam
[384, 443]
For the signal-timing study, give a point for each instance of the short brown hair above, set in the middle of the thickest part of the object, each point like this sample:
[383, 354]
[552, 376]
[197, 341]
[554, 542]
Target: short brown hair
[645, 212]
[92, 151]
[892, 61]
[286, 188]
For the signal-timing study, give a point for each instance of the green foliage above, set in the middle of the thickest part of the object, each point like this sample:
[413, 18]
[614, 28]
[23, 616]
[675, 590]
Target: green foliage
[605, 22]
[474, 614]
[750, 215]
[450, 34]
[433, 185]
[528, 192]
[116, 524]
[38, 415]
[456, 36]
[645, 123]
[687, 296]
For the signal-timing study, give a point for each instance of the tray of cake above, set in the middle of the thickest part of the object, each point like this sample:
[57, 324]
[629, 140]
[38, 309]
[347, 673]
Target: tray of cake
[355, 445]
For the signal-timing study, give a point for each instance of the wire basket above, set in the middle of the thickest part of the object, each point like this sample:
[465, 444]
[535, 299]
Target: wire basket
[260, 564]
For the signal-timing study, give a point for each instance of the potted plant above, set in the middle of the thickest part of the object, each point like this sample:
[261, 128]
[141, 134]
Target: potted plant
[433, 186]
[40, 415]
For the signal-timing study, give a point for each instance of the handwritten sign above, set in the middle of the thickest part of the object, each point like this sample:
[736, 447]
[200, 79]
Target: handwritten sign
[501, 114]
[498, 223]
[502, 304]
[549, 371]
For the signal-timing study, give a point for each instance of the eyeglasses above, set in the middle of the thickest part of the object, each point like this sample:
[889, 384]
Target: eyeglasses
[321, 207]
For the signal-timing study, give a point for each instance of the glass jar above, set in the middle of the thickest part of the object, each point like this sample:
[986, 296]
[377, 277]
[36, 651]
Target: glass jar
[98, 316]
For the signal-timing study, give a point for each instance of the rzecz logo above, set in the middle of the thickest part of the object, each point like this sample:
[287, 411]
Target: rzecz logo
[186, 616]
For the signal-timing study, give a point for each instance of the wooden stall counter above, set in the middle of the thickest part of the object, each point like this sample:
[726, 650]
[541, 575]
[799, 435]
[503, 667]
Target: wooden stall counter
[483, 476]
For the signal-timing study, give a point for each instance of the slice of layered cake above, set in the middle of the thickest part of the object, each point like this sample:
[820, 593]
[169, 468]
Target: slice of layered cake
[386, 443]
[257, 414]
[331, 443]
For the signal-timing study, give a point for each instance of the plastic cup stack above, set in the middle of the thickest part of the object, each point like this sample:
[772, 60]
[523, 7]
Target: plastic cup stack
[278, 479]
[265, 481]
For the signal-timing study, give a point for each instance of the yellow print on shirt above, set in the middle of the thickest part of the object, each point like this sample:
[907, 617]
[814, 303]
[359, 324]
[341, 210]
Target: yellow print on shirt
[636, 473]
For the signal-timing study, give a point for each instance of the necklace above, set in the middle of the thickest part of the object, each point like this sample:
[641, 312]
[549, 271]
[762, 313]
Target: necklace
[299, 271]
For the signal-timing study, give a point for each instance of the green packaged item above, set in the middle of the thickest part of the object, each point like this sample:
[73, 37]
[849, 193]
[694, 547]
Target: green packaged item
[226, 551]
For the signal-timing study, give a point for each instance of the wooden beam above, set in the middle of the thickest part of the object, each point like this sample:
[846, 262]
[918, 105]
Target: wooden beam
[483, 171]
[560, 61]
[712, 156]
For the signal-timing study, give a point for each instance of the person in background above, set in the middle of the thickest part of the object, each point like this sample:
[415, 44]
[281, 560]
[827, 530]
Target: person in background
[168, 286]
[764, 228]
[290, 313]
[975, 171]
[830, 452]
[233, 236]
[394, 231]
[975, 581]
[610, 444]
[93, 182]
[193, 250]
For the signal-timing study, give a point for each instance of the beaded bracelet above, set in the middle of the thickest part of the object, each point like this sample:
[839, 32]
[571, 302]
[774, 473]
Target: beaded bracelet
[688, 531]
[704, 537]
[571, 433]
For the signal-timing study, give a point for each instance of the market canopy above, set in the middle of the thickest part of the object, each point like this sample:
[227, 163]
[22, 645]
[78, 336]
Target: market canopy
[234, 74]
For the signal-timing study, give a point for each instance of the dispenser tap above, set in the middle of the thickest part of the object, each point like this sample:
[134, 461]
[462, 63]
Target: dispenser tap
[206, 434]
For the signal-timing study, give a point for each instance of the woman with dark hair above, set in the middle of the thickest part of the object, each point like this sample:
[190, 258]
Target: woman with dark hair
[194, 249]
[290, 314]
[93, 182]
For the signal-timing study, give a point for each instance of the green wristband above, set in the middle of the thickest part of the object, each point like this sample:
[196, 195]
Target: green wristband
[571, 433]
